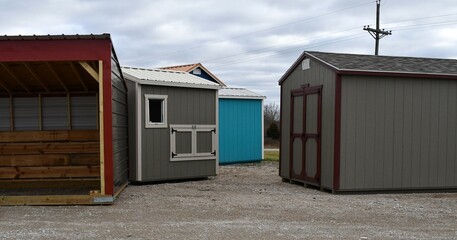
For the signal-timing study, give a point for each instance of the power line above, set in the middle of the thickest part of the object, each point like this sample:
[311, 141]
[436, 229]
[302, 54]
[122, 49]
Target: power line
[263, 30]
[287, 50]
[422, 18]
[284, 51]
[276, 45]
[351, 37]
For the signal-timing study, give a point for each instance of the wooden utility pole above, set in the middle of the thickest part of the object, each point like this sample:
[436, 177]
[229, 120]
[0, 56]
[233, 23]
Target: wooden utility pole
[377, 33]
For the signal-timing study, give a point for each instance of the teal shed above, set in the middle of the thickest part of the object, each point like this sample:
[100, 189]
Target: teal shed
[240, 126]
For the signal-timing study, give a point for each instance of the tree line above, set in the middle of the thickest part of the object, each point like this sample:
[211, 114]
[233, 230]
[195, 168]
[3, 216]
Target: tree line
[271, 120]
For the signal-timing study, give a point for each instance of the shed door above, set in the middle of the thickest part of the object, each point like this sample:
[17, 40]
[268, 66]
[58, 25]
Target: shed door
[305, 134]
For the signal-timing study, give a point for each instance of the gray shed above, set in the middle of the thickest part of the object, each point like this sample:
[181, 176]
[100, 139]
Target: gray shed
[367, 123]
[173, 122]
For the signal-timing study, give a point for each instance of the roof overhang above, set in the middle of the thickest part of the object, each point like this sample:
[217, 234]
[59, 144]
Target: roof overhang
[191, 67]
[48, 64]
[338, 71]
[396, 74]
[243, 97]
[170, 84]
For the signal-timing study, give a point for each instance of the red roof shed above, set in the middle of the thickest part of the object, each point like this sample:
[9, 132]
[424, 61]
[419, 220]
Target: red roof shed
[63, 120]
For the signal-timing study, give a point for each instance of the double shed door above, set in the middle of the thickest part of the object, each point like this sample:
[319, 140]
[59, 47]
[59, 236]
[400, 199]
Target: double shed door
[305, 134]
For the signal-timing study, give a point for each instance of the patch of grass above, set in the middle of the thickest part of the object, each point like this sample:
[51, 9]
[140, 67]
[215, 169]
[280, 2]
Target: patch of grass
[271, 155]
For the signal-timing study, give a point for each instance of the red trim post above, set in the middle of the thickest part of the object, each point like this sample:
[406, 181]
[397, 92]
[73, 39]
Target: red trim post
[108, 124]
[291, 138]
[337, 134]
[317, 176]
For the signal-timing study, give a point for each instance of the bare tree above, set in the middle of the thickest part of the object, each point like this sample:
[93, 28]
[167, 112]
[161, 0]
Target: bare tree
[271, 121]
[271, 113]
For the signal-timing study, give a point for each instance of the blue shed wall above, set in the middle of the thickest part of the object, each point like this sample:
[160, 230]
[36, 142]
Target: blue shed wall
[240, 130]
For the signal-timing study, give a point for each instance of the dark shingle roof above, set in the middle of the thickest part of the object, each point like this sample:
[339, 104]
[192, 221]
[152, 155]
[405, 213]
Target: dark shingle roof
[374, 63]
[343, 63]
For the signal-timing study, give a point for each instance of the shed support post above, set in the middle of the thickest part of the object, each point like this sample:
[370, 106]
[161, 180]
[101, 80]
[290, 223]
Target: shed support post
[101, 127]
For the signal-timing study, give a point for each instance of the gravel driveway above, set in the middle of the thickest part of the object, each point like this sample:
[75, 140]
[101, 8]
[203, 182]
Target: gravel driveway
[246, 201]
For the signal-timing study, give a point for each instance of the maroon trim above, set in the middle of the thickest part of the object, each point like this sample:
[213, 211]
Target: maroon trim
[53, 50]
[108, 123]
[304, 136]
[319, 136]
[305, 85]
[337, 134]
[291, 136]
[396, 74]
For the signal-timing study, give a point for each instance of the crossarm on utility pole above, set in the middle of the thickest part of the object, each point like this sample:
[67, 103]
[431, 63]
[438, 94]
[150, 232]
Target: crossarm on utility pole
[377, 33]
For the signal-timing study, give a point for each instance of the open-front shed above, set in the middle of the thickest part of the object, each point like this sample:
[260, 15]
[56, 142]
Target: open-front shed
[366, 123]
[173, 125]
[63, 120]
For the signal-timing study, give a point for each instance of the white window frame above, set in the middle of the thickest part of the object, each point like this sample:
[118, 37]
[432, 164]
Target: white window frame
[164, 99]
[194, 155]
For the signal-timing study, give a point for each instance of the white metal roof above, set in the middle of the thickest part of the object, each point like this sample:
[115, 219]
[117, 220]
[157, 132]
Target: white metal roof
[238, 93]
[163, 77]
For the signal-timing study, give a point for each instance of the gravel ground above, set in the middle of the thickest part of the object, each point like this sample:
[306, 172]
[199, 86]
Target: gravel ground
[246, 201]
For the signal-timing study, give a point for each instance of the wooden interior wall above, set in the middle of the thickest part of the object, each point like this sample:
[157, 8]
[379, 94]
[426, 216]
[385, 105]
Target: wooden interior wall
[70, 155]
[58, 148]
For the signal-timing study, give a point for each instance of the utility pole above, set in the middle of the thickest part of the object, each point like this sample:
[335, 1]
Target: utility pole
[377, 33]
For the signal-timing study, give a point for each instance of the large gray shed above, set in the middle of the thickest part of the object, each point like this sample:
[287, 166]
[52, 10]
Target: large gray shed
[173, 122]
[366, 123]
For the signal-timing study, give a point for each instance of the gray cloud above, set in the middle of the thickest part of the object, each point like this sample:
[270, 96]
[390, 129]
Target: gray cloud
[245, 43]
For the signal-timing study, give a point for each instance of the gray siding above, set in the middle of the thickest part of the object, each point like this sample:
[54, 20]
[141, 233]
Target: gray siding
[84, 112]
[5, 120]
[185, 106]
[120, 127]
[398, 133]
[315, 75]
[133, 144]
[54, 112]
[26, 113]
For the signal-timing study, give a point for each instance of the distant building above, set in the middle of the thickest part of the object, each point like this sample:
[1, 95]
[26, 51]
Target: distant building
[240, 126]
[197, 69]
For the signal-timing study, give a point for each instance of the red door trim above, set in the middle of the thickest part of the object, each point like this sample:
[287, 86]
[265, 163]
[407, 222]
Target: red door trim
[306, 90]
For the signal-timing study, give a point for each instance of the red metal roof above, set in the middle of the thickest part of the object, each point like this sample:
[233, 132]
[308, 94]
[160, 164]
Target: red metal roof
[183, 68]
[55, 37]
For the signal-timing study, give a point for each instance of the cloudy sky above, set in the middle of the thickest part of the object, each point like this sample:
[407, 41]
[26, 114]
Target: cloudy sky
[245, 43]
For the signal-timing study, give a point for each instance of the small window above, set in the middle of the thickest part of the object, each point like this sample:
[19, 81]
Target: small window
[197, 71]
[156, 111]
